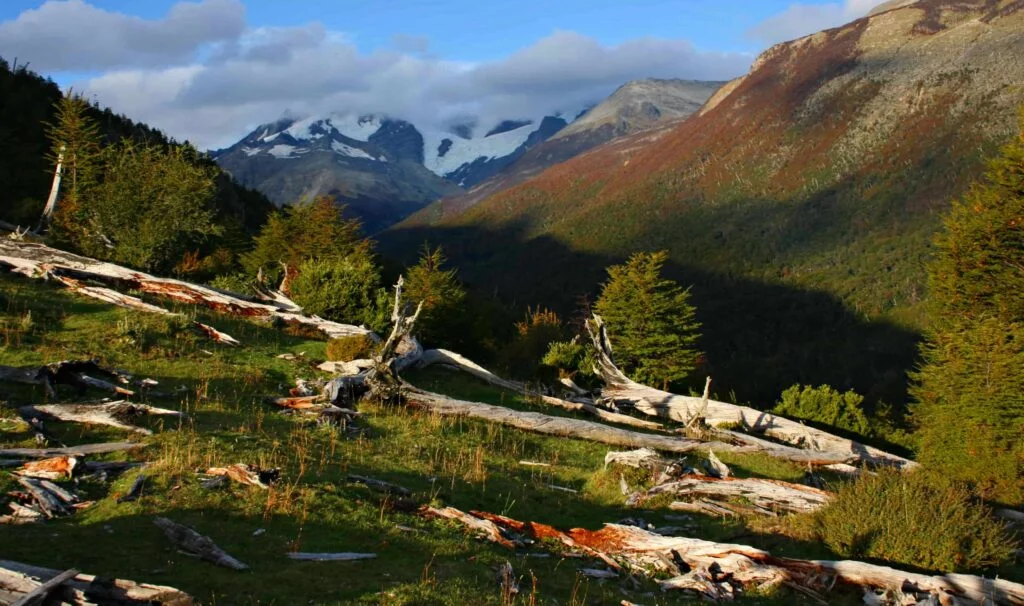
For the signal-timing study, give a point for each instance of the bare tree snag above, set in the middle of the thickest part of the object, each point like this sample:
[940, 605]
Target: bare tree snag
[40, 261]
[739, 566]
[51, 200]
[450, 358]
[107, 413]
[382, 379]
[558, 426]
[80, 450]
[654, 402]
[201, 546]
[82, 589]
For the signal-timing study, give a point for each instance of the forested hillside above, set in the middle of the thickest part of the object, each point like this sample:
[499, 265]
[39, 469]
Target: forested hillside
[28, 103]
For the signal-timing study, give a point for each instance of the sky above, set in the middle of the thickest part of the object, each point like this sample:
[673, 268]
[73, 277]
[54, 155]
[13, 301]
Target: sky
[209, 71]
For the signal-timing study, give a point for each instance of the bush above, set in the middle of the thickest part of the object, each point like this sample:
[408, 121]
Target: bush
[346, 349]
[344, 290]
[919, 519]
[826, 406]
[534, 334]
[572, 359]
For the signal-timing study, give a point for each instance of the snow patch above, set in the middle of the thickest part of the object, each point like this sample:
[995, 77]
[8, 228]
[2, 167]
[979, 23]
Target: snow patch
[282, 151]
[352, 152]
[358, 128]
[302, 130]
[251, 151]
[465, 151]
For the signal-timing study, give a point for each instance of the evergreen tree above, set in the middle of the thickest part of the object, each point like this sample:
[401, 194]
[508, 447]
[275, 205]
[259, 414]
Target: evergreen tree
[151, 207]
[439, 291]
[970, 389]
[310, 231]
[75, 144]
[650, 321]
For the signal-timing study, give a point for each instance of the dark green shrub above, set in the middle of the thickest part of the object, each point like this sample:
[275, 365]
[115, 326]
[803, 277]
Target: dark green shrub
[346, 349]
[826, 406]
[344, 290]
[918, 519]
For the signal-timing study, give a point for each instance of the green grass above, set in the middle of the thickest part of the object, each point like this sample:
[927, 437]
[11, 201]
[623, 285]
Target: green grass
[467, 464]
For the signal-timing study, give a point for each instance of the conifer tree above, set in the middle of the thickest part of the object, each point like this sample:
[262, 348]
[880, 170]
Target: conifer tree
[440, 292]
[75, 148]
[970, 389]
[651, 324]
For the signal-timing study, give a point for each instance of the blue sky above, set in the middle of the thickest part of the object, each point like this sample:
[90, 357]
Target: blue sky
[208, 70]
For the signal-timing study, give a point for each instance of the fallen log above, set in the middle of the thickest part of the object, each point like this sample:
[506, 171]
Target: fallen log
[330, 557]
[247, 475]
[743, 566]
[557, 426]
[192, 542]
[772, 495]
[450, 358]
[106, 413]
[380, 485]
[40, 261]
[76, 373]
[51, 500]
[78, 451]
[654, 402]
[43, 591]
[114, 297]
[80, 589]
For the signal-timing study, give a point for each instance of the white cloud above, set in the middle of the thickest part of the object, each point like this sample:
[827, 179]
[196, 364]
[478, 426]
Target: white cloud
[73, 35]
[799, 20]
[243, 77]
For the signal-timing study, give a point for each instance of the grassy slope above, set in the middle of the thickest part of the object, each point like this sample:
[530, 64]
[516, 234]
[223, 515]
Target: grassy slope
[466, 464]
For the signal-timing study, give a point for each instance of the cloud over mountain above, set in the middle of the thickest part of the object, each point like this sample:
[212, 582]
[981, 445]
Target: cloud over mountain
[202, 74]
[801, 19]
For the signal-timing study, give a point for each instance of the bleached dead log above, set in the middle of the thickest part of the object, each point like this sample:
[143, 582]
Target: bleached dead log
[40, 261]
[484, 528]
[346, 369]
[450, 358]
[194, 543]
[557, 426]
[716, 468]
[51, 500]
[707, 507]
[743, 566]
[654, 402]
[53, 468]
[106, 413]
[114, 297]
[21, 514]
[43, 591]
[80, 450]
[330, 557]
[379, 485]
[82, 589]
[773, 495]
[641, 458]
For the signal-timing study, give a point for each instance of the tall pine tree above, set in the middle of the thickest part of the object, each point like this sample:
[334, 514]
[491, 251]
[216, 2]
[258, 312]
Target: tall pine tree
[428, 282]
[651, 324]
[970, 389]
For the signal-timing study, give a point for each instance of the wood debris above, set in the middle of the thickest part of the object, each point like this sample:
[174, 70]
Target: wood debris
[247, 475]
[80, 374]
[825, 448]
[53, 468]
[45, 498]
[18, 581]
[100, 413]
[330, 557]
[135, 491]
[709, 564]
[200, 546]
[78, 451]
[380, 485]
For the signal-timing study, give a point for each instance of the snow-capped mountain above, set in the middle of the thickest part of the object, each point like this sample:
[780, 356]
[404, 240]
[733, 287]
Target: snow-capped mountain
[382, 168]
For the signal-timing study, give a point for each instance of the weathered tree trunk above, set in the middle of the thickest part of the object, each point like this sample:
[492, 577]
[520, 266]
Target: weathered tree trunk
[654, 402]
[450, 358]
[106, 413]
[20, 579]
[40, 261]
[382, 379]
[80, 450]
[727, 566]
[203, 547]
[772, 495]
[51, 200]
[54, 468]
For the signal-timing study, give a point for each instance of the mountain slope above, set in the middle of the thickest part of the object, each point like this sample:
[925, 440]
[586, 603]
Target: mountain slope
[799, 203]
[635, 106]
